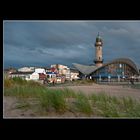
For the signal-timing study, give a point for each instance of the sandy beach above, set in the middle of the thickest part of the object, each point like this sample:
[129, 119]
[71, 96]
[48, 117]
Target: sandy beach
[118, 91]
[107, 89]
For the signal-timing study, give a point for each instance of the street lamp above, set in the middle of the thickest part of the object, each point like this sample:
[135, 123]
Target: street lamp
[100, 78]
[109, 78]
[118, 78]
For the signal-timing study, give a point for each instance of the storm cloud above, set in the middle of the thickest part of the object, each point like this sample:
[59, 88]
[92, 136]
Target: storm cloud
[42, 43]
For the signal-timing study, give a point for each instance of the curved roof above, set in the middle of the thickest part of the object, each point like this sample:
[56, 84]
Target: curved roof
[128, 61]
[85, 69]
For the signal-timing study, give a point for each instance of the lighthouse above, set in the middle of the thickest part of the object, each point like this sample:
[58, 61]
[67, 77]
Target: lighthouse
[98, 51]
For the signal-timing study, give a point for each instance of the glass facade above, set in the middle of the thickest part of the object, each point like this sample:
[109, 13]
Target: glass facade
[114, 70]
[121, 69]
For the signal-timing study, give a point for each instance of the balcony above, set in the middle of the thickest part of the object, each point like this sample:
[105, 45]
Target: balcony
[98, 60]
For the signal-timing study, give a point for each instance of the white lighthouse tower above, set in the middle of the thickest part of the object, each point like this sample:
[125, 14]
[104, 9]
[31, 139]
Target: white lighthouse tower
[98, 52]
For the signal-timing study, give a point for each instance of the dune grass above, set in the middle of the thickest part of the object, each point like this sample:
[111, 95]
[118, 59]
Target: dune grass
[52, 99]
[94, 105]
[82, 104]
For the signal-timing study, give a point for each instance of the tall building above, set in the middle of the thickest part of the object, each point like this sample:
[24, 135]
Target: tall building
[98, 51]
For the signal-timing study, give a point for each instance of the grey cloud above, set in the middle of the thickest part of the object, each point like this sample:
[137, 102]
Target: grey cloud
[68, 42]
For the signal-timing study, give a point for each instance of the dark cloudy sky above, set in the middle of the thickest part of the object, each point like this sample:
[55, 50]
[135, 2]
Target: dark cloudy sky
[41, 43]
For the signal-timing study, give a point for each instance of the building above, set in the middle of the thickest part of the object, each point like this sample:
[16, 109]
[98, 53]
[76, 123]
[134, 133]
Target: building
[51, 76]
[26, 69]
[68, 74]
[116, 70]
[98, 51]
[42, 76]
[74, 74]
[64, 72]
[38, 75]
[23, 75]
[60, 69]
[8, 71]
[40, 70]
[34, 76]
